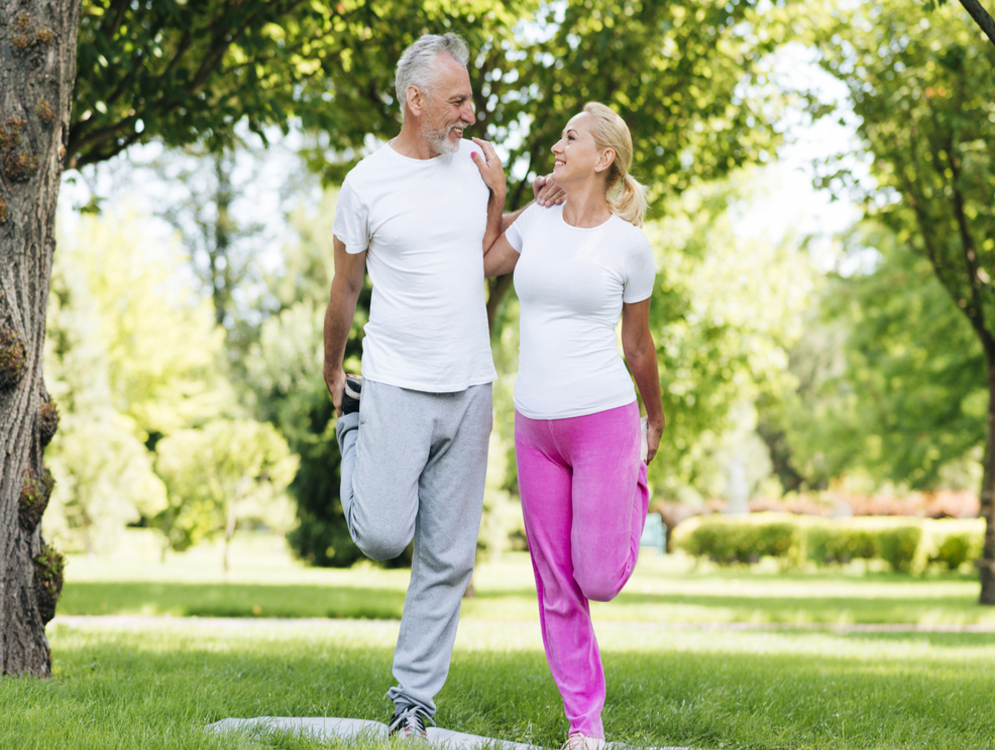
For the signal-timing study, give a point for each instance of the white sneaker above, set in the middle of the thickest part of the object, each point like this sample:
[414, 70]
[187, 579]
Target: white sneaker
[578, 741]
[644, 448]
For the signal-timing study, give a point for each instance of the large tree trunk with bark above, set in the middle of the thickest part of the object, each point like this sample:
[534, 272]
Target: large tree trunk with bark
[986, 564]
[37, 73]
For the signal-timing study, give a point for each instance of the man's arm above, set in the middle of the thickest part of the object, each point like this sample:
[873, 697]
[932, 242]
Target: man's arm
[347, 282]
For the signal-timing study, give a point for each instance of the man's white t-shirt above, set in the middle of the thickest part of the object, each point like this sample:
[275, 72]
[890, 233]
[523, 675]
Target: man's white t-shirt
[571, 283]
[422, 224]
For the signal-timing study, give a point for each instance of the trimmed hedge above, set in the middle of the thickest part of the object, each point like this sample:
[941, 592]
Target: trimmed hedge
[898, 546]
[728, 541]
[905, 544]
[956, 549]
[839, 544]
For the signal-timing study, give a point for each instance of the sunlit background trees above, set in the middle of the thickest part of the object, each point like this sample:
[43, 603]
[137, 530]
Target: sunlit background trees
[840, 362]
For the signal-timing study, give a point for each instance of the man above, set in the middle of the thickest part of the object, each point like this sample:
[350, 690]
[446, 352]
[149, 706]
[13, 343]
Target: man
[414, 456]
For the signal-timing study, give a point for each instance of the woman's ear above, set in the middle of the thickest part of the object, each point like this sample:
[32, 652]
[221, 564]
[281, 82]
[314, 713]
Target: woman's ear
[605, 160]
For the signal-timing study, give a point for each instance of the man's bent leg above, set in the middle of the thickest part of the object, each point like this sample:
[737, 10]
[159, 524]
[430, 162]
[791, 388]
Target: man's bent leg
[451, 496]
[384, 449]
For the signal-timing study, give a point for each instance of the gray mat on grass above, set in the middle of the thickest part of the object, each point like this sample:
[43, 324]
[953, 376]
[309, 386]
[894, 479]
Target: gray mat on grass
[327, 728]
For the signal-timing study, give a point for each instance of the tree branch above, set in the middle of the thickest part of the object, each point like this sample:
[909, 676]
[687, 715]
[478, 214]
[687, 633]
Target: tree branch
[981, 17]
[975, 310]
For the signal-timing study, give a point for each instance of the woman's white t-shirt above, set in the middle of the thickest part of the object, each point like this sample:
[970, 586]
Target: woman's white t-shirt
[571, 283]
[421, 223]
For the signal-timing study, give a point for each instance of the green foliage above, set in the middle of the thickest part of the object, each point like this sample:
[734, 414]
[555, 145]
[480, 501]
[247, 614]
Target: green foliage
[164, 351]
[35, 494]
[725, 311]
[49, 575]
[956, 549]
[283, 371]
[189, 72]
[906, 546]
[898, 546]
[103, 469]
[12, 359]
[226, 471]
[922, 96]
[727, 540]
[839, 544]
[890, 376]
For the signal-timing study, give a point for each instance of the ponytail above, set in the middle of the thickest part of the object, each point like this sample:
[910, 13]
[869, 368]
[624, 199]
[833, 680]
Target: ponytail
[626, 197]
[629, 203]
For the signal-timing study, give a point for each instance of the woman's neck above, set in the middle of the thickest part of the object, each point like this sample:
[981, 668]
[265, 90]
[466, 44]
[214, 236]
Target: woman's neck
[586, 205]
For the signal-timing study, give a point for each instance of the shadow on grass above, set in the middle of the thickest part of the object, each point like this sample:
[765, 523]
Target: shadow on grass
[297, 601]
[816, 609]
[228, 600]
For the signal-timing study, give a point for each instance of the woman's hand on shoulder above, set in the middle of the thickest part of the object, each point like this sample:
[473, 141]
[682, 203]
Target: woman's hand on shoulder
[491, 169]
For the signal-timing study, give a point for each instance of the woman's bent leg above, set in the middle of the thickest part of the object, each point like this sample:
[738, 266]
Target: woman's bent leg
[610, 498]
[545, 480]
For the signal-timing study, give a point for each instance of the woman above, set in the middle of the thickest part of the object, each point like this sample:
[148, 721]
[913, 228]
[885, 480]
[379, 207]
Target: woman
[578, 266]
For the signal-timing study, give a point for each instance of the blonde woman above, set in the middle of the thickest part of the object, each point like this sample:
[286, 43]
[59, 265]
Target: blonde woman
[578, 267]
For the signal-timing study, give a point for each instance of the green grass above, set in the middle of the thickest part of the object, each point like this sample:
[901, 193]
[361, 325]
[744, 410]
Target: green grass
[115, 686]
[677, 673]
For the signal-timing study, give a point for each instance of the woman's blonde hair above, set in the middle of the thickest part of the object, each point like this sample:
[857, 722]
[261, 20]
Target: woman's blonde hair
[628, 199]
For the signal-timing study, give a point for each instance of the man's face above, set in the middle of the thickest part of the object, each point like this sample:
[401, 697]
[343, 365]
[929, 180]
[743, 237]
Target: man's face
[448, 107]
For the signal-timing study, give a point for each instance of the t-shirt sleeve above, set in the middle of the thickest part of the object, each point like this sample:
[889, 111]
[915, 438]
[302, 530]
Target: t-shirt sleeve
[351, 224]
[515, 234]
[641, 271]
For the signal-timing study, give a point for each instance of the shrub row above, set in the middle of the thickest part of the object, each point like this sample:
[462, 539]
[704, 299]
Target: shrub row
[904, 544]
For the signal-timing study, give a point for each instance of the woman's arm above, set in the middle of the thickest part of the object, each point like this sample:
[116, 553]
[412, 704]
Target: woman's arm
[492, 173]
[500, 258]
[640, 353]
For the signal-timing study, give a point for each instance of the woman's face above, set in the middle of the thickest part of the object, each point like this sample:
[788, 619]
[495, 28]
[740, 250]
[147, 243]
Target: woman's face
[576, 155]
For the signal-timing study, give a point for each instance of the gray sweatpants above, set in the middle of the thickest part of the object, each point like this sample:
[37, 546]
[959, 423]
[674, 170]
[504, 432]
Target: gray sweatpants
[413, 467]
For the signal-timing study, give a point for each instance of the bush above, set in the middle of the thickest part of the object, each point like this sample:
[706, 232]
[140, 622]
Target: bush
[955, 550]
[897, 546]
[727, 541]
[839, 544]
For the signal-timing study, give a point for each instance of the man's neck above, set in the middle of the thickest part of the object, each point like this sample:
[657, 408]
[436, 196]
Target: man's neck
[411, 143]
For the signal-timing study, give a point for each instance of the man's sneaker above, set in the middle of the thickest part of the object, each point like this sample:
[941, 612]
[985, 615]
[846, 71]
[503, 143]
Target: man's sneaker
[350, 396]
[408, 723]
[578, 741]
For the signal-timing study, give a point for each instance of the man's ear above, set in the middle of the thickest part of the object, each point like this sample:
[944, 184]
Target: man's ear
[415, 100]
[605, 160]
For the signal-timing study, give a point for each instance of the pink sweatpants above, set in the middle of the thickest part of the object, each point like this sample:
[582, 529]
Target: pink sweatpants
[584, 498]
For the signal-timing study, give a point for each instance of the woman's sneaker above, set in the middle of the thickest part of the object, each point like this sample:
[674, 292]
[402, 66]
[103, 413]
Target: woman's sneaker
[351, 394]
[408, 723]
[578, 741]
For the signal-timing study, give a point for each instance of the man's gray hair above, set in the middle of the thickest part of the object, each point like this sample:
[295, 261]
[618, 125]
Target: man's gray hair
[417, 65]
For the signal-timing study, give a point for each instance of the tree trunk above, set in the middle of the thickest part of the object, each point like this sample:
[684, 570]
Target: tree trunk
[37, 72]
[986, 565]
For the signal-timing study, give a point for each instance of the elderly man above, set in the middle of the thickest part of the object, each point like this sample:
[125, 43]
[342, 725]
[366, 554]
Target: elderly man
[414, 429]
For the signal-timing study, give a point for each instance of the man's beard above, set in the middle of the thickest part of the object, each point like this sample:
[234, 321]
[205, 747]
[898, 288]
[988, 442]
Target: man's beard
[439, 139]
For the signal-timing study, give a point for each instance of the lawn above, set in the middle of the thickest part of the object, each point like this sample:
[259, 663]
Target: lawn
[690, 657]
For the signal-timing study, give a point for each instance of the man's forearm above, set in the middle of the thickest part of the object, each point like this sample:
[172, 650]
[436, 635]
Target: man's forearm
[338, 322]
